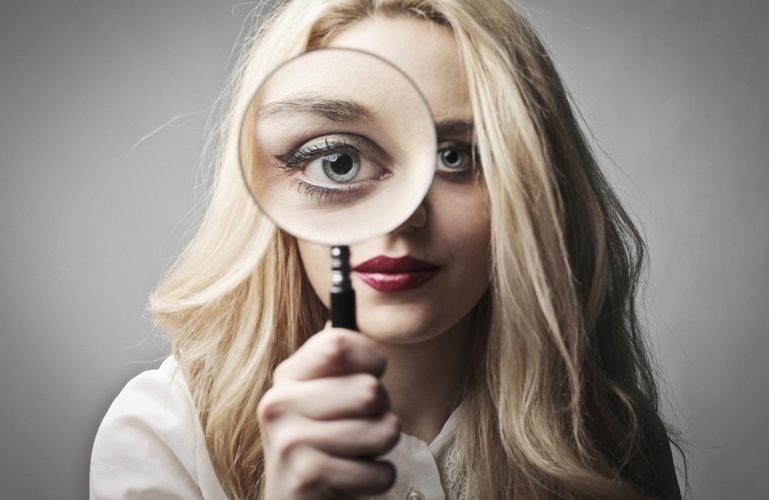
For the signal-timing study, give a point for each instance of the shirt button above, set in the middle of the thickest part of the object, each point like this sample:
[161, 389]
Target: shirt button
[415, 495]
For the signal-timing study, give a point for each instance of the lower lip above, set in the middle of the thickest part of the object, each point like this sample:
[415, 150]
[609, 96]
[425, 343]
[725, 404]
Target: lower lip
[397, 282]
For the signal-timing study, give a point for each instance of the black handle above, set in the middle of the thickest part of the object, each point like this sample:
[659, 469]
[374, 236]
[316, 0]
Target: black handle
[342, 293]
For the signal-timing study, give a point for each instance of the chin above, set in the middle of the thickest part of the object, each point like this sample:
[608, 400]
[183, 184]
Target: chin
[389, 332]
[398, 325]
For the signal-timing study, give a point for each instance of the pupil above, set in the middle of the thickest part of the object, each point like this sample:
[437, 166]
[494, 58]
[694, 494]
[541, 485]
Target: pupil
[341, 167]
[340, 164]
[451, 158]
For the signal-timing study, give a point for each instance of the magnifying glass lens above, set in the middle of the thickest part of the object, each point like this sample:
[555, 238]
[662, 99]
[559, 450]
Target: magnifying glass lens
[338, 146]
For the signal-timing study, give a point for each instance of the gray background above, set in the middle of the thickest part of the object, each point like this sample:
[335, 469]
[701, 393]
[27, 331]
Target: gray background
[90, 214]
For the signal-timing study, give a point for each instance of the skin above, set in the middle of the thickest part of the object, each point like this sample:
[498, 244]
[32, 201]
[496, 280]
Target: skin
[332, 402]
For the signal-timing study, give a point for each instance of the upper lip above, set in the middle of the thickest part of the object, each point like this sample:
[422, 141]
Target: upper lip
[395, 265]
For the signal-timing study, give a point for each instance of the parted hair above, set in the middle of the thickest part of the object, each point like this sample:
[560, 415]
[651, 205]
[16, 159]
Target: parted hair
[563, 400]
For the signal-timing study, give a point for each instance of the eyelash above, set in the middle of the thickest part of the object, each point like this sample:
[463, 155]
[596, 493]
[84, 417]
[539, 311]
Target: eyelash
[297, 158]
[323, 194]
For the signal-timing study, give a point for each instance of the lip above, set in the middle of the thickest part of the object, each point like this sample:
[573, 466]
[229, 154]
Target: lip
[399, 274]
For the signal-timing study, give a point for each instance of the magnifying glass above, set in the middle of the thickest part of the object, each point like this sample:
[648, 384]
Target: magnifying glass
[338, 147]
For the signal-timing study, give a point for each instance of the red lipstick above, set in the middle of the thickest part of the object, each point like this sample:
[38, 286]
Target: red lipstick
[388, 274]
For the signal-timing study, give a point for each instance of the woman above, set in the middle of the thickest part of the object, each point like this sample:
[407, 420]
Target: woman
[521, 361]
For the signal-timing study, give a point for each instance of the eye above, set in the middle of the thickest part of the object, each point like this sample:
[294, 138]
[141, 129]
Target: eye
[336, 166]
[455, 158]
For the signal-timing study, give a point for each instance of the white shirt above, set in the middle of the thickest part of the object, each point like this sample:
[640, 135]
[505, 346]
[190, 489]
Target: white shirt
[151, 445]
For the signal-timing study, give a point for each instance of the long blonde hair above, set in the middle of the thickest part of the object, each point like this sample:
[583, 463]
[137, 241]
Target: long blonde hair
[564, 399]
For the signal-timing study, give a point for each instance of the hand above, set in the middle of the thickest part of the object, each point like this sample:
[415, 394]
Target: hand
[326, 418]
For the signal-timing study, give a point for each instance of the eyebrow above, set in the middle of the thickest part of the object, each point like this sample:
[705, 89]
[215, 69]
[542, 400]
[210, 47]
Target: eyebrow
[334, 109]
[450, 127]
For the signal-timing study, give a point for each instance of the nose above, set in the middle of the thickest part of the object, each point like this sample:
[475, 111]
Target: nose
[416, 220]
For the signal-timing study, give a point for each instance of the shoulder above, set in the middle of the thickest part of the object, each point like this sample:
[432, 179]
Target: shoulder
[150, 442]
[659, 453]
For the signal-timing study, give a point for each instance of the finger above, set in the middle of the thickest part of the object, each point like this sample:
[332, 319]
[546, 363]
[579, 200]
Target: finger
[319, 475]
[332, 352]
[360, 477]
[351, 396]
[352, 438]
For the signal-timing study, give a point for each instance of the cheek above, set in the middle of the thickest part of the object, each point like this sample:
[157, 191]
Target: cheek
[316, 260]
[472, 255]
[465, 222]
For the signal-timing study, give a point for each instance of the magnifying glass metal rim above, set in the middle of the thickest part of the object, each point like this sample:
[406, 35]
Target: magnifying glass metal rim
[428, 170]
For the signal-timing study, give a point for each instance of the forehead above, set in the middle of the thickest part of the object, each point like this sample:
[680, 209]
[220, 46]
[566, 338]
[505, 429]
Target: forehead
[425, 51]
[339, 86]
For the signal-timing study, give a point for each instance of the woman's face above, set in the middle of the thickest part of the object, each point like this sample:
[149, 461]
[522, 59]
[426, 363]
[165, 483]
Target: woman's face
[428, 274]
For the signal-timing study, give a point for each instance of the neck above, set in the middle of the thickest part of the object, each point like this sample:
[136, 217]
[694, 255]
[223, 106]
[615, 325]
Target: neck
[424, 380]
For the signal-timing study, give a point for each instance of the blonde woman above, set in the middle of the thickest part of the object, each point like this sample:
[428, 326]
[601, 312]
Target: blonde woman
[518, 369]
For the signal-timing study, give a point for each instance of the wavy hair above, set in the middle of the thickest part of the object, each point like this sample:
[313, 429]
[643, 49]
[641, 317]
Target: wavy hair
[564, 403]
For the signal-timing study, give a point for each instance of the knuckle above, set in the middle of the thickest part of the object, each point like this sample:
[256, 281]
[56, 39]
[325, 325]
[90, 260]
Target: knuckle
[387, 475]
[307, 476]
[286, 445]
[370, 398]
[381, 361]
[271, 407]
[335, 348]
[390, 430]
[381, 476]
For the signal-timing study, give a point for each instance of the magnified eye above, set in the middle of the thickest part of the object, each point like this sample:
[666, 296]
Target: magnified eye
[336, 165]
[340, 168]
